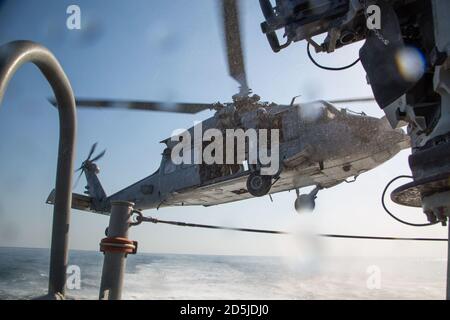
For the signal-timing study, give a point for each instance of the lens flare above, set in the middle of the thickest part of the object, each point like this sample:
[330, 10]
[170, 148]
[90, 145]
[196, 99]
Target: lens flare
[410, 63]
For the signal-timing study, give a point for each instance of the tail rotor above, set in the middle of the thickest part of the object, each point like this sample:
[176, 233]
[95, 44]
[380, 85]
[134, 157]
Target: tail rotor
[89, 164]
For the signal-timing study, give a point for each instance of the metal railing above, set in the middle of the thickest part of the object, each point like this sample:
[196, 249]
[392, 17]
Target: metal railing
[12, 56]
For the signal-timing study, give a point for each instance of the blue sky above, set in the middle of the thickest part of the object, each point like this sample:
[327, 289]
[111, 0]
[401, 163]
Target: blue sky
[173, 51]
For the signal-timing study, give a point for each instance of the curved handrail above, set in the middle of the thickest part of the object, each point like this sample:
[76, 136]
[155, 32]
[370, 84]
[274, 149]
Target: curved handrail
[12, 56]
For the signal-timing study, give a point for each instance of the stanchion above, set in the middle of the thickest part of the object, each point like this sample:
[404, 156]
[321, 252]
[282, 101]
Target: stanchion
[116, 247]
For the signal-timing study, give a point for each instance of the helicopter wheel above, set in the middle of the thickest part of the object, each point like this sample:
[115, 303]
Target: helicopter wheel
[304, 203]
[258, 185]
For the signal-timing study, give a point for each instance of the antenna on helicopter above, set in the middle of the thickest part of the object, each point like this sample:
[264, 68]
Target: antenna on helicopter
[293, 99]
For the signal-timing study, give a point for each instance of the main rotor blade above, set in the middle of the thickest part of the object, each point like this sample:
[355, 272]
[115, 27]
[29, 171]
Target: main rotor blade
[233, 42]
[352, 100]
[143, 105]
[91, 152]
[99, 156]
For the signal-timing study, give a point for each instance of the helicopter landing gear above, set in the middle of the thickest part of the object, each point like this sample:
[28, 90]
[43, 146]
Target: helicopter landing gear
[258, 185]
[306, 202]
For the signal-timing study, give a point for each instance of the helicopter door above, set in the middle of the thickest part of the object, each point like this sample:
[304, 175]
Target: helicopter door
[287, 122]
[213, 172]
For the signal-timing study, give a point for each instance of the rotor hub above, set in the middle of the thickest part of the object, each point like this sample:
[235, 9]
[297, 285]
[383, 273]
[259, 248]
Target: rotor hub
[91, 166]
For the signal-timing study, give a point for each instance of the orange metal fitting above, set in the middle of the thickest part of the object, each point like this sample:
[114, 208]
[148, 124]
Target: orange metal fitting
[118, 245]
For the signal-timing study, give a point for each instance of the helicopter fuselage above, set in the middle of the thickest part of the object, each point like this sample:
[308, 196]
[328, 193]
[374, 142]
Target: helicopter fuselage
[319, 145]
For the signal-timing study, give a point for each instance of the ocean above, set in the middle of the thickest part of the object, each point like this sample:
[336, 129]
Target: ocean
[24, 275]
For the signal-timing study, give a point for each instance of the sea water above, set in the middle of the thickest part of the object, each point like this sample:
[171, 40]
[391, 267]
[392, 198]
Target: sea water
[24, 275]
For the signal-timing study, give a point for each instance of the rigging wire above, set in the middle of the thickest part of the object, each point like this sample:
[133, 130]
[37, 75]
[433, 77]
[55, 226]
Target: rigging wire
[308, 50]
[392, 215]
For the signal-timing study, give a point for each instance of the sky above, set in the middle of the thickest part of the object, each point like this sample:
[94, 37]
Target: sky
[173, 51]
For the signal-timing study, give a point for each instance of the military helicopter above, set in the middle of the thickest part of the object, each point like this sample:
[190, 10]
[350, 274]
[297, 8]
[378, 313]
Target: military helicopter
[319, 145]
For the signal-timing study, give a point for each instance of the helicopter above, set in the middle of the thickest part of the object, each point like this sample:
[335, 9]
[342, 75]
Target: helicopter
[318, 145]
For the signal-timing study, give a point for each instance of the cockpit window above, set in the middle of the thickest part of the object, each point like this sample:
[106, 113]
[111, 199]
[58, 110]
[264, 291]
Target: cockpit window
[330, 115]
[317, 111]
[330, 111]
